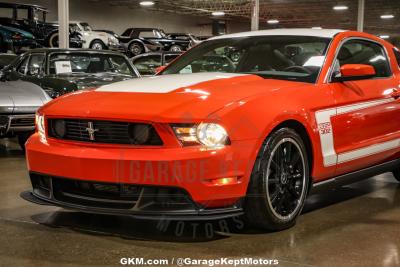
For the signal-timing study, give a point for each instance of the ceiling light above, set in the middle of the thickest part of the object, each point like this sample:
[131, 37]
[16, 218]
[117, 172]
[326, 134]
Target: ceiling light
[146, 3]
[340, 7]
[273, 21]
[218, 13]
[316, 28]
[384, 36]
[389, 16]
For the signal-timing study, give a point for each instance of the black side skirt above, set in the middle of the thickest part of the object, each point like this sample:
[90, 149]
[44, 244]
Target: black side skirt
[356, 176]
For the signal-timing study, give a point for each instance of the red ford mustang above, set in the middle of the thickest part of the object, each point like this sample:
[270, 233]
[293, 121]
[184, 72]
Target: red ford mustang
[243, 123]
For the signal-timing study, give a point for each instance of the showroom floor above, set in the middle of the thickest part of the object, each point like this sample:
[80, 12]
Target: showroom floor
[357, 225]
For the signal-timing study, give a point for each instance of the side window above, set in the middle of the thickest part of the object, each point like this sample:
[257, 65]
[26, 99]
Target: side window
[365, 52]
[147, 34]
[147, 65]
[35, 64]
[397, 55]
[23, 65]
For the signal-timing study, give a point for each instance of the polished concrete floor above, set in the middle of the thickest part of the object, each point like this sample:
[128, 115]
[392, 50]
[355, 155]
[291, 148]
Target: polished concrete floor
[357, 225]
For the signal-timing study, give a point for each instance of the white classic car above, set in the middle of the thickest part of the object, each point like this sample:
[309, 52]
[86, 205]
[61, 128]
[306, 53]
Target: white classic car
[95, 39]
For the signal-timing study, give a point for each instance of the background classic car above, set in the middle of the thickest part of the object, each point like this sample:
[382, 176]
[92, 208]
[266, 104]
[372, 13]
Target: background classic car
[12, 39]
[18, 103]
[34, 22]
[95, 39]
[141, 40]
[60, 71]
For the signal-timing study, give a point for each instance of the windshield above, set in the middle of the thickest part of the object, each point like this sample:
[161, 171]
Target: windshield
[298, 58]
[86, 27]
[89, 63]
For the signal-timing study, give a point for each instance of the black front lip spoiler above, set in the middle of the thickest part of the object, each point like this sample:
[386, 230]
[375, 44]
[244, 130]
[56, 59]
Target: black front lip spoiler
[192, 215]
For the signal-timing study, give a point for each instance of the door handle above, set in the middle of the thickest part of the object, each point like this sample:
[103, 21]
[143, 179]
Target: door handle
[395, 94]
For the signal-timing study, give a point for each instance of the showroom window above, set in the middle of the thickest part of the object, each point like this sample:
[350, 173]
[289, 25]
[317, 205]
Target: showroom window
[357, 51]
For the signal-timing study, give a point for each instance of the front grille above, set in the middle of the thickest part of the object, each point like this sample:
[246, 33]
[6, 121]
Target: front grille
[109, 132]
[28, 121]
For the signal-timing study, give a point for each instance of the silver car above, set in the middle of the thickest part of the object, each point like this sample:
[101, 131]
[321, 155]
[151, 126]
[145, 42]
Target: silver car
[18, 104]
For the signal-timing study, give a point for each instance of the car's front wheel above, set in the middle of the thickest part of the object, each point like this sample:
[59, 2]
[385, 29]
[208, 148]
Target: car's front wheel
[279, 182]
[135, 49]
[176, 48]
[97, 45]
[396, 174]
[22, 138]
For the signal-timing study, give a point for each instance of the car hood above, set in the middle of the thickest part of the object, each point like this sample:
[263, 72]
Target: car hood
[87, 80]
[21, 97]
[164, 98]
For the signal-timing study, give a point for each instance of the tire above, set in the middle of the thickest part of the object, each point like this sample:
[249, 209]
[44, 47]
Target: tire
[135, 49]
[176, 48]
[97, 45]
[396, 174]
[22, 138]
[53, 40]
[275, 204]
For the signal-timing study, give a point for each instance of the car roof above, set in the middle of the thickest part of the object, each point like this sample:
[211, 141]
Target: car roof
[2, 4]
[327, 33]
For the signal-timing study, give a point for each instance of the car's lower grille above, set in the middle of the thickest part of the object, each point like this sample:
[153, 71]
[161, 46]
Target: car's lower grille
[22, 121]
[110, 132]
[109, 195]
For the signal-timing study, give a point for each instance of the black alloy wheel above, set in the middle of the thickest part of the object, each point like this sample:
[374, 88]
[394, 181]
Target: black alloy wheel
[279, 182]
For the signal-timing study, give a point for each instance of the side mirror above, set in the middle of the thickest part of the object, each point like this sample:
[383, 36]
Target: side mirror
[159, 69]
[352, 72]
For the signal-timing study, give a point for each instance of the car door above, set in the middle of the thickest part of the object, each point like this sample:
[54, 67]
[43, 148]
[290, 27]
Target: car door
[365, 126]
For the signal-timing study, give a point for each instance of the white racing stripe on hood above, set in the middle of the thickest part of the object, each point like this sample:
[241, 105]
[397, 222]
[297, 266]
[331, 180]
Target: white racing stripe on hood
[163, 83]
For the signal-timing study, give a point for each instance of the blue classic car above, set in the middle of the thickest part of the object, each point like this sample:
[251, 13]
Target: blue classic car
[14, 39]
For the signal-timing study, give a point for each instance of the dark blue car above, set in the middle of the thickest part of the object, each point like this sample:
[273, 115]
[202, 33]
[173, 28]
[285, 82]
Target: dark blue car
[14, 39]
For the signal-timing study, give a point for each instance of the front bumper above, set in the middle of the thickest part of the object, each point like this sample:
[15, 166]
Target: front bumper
[117, 47]
[11, 124]
[190, 169]
[143, 202]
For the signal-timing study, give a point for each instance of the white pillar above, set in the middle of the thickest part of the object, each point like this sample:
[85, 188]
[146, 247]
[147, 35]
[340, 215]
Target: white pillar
[360, 17]
[63, 21]
[255, 14]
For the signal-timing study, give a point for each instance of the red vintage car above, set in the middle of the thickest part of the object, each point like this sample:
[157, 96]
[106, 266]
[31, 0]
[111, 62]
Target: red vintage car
[246, 123]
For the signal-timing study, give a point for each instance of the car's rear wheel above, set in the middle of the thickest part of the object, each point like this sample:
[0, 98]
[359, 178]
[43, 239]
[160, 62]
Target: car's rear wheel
[396, 174]
[53, 40]
[135, 49]
[279, 182]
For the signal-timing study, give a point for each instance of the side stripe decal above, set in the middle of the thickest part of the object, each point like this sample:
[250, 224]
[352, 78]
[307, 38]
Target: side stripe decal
[330, 157]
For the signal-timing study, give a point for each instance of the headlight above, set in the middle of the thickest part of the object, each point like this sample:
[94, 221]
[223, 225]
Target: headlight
[210, 135]
[39, 120]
